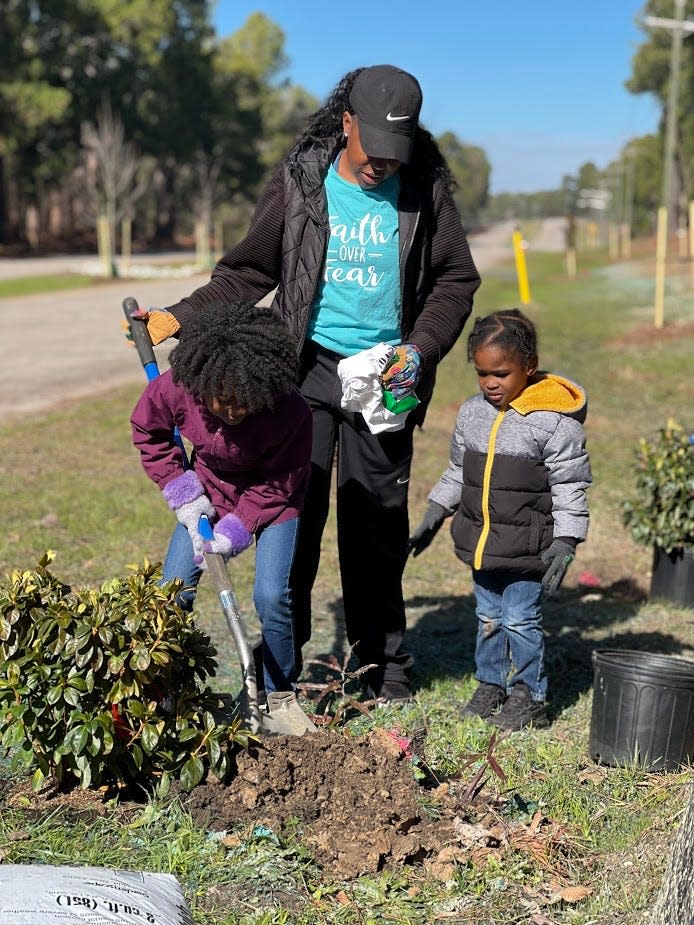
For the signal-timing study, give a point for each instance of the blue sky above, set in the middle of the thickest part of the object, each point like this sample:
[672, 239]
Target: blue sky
[539, 84]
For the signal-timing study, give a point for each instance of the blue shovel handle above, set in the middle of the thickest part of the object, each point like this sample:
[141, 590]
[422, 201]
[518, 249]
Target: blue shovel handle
[205, 529]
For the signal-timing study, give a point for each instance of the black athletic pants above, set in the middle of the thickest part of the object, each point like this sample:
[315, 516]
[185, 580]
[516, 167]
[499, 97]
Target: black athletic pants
[373, 471]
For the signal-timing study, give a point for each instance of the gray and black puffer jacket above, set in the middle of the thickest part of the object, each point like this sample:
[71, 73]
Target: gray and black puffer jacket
[517, 478]
[287, 241]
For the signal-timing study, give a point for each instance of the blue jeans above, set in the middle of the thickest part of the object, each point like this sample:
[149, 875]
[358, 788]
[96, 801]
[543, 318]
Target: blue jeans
[510, 643]
[273, 560]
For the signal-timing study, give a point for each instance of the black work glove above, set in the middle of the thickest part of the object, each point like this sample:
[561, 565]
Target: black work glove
[557, 557]
[430, 524]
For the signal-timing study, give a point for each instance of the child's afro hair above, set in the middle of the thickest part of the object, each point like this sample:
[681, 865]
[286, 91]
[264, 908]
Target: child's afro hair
[236, 350]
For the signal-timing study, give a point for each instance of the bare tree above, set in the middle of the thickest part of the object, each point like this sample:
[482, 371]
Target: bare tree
[114, 176]
[207, 168]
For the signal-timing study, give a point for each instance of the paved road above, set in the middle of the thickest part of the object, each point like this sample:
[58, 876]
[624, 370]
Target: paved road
[551, 236]
[89, 265]
[67, 345]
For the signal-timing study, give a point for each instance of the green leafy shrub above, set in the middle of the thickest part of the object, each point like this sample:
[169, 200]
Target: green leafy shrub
[662, 513]
[106, 685]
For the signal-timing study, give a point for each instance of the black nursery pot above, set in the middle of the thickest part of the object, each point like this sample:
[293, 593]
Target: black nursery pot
[643, 709]
[673, 576]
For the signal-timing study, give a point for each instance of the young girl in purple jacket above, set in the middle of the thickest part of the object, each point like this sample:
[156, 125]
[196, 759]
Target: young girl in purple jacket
[230, 392]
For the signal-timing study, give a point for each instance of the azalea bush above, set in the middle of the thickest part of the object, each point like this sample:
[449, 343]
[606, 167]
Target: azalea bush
[662, 512]
[108, 685]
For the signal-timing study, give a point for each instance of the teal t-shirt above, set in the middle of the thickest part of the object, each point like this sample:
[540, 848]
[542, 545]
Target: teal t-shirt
[358, 301]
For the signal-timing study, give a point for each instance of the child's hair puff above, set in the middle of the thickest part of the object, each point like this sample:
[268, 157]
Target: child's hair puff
[236, 350]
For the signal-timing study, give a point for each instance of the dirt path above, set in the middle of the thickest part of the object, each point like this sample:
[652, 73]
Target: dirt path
[67, 345]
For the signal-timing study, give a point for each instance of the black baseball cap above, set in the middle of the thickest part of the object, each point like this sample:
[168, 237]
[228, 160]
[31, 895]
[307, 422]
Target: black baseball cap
[386, 101]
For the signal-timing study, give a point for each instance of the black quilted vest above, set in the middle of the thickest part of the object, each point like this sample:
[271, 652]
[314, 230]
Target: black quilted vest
[306, 235]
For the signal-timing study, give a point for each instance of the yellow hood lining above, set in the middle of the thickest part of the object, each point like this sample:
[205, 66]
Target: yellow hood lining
[550, 393]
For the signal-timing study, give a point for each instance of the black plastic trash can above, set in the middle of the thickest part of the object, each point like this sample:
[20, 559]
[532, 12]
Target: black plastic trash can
[643, 709]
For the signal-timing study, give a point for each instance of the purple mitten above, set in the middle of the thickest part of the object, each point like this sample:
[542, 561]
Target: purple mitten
[183, 489]
[186, 496]
[230, 538]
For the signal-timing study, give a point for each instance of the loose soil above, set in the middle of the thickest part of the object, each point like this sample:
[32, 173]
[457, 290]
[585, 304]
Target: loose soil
[353, 800]
[645, 335]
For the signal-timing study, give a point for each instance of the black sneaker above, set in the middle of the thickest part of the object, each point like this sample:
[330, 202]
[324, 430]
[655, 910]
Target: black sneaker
[393, 692]
[520, 710]
[484, 701]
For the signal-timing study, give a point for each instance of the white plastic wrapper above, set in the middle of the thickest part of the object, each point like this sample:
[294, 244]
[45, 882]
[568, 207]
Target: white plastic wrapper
[36, 894]
[360, 377]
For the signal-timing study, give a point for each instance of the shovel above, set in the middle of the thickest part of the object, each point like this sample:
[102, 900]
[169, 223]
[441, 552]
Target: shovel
[283, 715]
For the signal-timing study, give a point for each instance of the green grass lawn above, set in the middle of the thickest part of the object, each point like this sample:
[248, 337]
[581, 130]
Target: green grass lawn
[31, 285]
[74, 485]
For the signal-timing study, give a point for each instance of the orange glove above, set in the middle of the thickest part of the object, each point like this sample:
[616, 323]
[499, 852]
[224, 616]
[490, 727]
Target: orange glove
[161, 324]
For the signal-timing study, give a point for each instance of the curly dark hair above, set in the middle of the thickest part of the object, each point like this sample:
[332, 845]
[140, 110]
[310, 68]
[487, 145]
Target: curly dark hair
[509, 329]
[236, 350]
[326, 123]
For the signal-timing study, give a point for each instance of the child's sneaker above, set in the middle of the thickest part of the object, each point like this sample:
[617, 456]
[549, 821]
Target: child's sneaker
[520, 710]
[484, 701]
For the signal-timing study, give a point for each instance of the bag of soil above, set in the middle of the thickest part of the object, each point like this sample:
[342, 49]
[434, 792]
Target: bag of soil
[37, 894]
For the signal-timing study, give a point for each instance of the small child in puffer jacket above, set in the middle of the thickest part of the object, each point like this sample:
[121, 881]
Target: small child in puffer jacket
[516, 487]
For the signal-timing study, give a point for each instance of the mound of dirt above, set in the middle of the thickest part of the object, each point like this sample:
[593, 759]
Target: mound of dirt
[644, 335]
[356, 800]
[353, 802]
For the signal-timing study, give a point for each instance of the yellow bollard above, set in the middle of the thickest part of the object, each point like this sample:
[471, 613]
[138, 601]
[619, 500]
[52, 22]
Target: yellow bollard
[571, 262]
[126, 244]
[660, 257]
[521, 268]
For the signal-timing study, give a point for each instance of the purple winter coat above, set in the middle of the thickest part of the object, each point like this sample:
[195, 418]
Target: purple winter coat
[257, 469]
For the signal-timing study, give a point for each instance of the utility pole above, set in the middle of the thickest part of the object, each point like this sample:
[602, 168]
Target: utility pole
[628, 206]
[679, 28]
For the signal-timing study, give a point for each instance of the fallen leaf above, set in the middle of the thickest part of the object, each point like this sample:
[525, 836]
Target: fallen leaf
[575, 894]
[595, 775]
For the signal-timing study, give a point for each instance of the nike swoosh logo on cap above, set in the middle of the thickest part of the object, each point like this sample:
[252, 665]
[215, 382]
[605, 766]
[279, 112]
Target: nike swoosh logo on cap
[390, 118]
